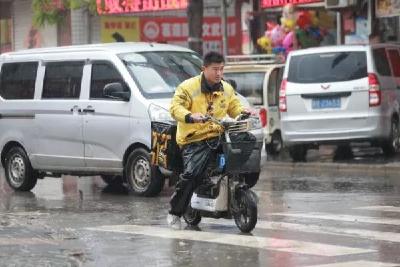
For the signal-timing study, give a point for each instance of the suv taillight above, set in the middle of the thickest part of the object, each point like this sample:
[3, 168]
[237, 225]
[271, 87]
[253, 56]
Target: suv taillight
[282, 96]
[263, 117]
[374, 91]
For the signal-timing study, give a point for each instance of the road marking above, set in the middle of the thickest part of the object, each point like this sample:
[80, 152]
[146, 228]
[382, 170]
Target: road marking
[25, 241]
[341, 217]
[284, 226]
[357, 264]
[381, 208]
[285, 245]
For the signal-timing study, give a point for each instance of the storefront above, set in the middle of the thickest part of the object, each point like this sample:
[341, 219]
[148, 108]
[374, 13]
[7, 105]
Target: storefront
[387, 14]
[295, 24]
[168, 24]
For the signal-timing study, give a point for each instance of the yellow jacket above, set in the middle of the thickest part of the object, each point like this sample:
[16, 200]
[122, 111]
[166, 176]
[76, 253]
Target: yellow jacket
[189, 99]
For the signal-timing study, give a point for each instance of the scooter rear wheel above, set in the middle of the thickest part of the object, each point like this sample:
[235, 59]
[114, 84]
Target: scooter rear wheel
[246, 216]
[192, 217]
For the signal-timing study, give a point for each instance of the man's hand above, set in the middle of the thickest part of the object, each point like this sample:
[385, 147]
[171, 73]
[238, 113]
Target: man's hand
[198, 117]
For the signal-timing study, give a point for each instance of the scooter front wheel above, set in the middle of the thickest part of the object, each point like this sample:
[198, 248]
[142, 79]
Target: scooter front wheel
[192, 217]
[246, 214]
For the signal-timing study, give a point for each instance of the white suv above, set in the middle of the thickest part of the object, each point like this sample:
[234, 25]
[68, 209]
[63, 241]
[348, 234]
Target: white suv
[341, 94]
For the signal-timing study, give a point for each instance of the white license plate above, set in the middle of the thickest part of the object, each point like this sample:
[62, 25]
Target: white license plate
[322, 103]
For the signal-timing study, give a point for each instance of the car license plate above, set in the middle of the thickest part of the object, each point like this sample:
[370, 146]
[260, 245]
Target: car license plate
[322, 103]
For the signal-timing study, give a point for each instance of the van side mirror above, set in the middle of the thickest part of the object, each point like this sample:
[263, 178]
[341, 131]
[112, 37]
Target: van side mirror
[116, 91]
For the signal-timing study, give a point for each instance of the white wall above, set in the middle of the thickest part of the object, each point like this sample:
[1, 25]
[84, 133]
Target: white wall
[22, 23]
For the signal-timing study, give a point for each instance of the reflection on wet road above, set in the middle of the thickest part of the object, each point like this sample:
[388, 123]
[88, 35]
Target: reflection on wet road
[304, 220]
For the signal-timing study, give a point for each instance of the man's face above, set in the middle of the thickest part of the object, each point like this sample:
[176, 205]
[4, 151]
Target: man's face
[213, 72]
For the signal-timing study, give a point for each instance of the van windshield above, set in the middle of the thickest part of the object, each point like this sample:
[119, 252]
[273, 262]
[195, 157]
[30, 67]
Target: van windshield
[158, 73]
[248, 84]
[327, 67]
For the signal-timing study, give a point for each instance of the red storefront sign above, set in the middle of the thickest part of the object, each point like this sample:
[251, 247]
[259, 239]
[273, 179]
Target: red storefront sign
[279, 3]
[175, 31]
[129, 6]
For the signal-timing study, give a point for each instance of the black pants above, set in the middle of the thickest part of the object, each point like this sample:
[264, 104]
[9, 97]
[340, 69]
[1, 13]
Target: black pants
[195, 158]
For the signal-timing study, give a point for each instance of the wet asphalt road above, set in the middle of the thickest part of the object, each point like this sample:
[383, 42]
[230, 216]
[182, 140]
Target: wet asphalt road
[305, 219]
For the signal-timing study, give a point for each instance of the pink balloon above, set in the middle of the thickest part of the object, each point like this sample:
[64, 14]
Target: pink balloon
[287, 42]
[277, 35]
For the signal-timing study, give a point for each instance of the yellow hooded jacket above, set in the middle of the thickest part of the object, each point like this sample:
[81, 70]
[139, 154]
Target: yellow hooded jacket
[189, 99]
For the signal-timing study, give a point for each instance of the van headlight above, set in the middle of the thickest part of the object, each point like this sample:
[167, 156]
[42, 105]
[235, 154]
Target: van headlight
[254, 123]
[160, 114]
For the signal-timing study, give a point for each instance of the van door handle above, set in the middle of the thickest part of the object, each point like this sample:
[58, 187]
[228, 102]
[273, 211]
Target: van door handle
[89, 109]
[75, 108]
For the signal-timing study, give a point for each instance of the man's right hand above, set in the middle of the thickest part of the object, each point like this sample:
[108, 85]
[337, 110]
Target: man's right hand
[198, 117]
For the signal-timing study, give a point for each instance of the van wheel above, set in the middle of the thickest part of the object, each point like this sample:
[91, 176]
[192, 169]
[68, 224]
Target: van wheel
[275, 147]
[298, 152]
[392, 145]
[18, 170]
[143, 178]
[112, 179]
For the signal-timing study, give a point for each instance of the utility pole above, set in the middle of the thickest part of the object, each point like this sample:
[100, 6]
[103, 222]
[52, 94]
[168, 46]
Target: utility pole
[224, 28]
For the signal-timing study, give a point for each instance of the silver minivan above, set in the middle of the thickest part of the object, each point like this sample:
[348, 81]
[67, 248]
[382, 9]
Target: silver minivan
[341, 94]
[88, 110]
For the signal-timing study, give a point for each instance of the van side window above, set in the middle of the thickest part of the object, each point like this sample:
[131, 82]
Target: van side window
[62, 79]
[18, 80]
[394, 58]
[103, 73]
[273, 87]
[381, 62]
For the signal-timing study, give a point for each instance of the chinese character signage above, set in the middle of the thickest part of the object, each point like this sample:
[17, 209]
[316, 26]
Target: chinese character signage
[119, 29]
[175, 31]
[280, 3]
[387, 8]
[130, 6]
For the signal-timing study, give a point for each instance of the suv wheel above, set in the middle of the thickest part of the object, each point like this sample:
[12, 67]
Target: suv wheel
[143, 178]
[275, 147]
[298, 152]
[18, 170]
[112, 179]
[392, 145]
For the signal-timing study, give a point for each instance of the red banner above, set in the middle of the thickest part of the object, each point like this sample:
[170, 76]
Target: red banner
[175, 31]
[279, 3]
[130, 6]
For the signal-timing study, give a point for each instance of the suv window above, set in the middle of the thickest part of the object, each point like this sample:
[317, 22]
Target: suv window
[328, 67]
[249, 85]
[63, 79]
[394, 58]
[381, 61]
[274, 84]
[18, 80]
[103, 73]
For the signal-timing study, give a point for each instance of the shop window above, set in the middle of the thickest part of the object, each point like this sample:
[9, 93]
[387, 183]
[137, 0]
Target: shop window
[381, 62]
[394, 58]
[103, 73]
[18, 80]
[62, 80]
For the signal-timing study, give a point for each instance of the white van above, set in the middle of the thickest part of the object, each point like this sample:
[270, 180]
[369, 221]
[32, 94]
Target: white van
[88, 110]
[341, 94]
[258, 78]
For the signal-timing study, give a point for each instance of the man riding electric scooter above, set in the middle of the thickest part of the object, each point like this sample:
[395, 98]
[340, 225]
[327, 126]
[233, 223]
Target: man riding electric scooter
[197, 98]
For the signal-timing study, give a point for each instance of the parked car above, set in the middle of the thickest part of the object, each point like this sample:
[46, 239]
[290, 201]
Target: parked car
[88, 110]
[341, 94]
[258, 78]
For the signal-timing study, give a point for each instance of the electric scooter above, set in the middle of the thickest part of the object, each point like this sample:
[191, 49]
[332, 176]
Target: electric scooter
[229, 196]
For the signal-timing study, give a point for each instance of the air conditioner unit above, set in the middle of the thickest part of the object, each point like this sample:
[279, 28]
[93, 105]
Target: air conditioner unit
[334, 4]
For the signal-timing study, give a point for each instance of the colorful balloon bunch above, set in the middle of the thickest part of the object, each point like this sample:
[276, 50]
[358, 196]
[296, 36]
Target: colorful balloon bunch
[300, 30]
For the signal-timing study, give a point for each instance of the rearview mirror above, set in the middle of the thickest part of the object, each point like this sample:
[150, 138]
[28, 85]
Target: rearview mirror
[116, 91]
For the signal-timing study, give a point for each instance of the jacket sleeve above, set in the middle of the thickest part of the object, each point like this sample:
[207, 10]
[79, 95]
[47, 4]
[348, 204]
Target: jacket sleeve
[180, 105]
[235, 107]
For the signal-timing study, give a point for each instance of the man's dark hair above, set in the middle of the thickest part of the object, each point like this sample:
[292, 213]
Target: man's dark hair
[212, 57]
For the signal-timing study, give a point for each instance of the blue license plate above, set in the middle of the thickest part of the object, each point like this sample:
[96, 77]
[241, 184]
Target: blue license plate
[322, 103]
